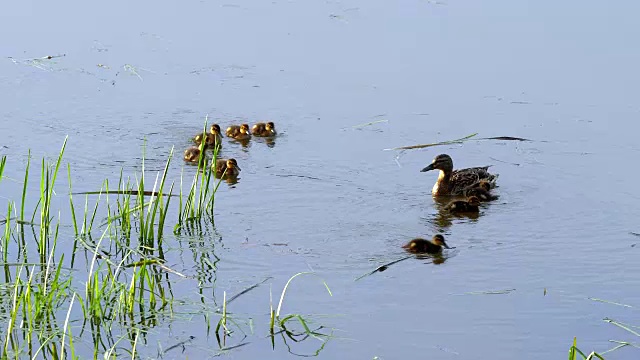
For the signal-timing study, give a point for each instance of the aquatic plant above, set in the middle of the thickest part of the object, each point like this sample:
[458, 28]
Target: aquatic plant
[103, 295]
[574, 352]
[199, 202]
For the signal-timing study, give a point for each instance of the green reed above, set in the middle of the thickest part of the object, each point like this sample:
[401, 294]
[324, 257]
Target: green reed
[112, 293]
[199, 201]
[277, 318]
[574, 352]
[126, 285]
[3, 162]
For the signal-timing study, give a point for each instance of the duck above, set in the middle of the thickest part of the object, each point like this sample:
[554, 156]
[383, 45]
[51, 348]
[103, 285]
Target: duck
[192, 154]
[453, 182]
[433, 246]
[264, 129]
[239, 132]
[464, 206]
[227, 168]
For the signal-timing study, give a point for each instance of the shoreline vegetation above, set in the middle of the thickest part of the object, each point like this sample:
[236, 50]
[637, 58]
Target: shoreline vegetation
[103, 292]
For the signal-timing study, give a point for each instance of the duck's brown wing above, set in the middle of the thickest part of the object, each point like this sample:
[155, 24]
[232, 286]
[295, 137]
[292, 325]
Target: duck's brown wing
[464, 178]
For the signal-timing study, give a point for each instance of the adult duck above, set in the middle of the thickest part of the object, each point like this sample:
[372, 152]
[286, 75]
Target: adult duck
[454, 182]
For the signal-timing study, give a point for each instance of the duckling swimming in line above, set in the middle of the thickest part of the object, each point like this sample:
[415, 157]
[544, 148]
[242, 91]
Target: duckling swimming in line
[433, 246]
[264, 129]
[453, 182]
[464, 206]
[239, 132]
[227, 168]
[192, 154]
[215, 130]
[210, 140]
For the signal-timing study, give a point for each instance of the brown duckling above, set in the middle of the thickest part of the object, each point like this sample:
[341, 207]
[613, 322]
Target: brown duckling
[481, 190]
[485, 184]
[264, 129]
[433, 246]
[464, 206]
[192, 154]
[227, 168]
[239, 132]
[210, 140]
[215, 130]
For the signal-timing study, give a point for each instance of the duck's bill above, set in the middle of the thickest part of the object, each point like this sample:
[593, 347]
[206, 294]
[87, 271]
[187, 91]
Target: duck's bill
[446, 246]
[430, 167]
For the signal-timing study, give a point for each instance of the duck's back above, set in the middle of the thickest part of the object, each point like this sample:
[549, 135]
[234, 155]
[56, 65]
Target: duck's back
[232, 130]
[464, 178]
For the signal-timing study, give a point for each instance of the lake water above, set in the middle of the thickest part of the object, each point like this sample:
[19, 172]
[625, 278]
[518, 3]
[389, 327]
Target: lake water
[326, 197]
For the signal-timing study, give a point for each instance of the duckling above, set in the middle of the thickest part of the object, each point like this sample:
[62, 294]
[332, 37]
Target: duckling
[239, 132]
[485, 184]
[464, 206]
[213, 137]
[210, 140]
[480, 192]
[264, 129]
[227, 168]
[192, 154]
[453, 182]
[215, 130]
[434, 246]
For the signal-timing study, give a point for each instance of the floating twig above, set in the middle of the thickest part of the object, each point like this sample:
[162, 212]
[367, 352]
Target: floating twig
[621, 325]
[456, 141]
[504, 162]
[123, 192]
[384, 267]
[246, 291]
[488, 292]
[131, 69]
[369, 124]
[609, 302]
[508, 138]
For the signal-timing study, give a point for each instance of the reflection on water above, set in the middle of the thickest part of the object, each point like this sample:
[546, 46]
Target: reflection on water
[443, 219]
[244, 142]
[229, 179]
[433, 259]
[271, 141]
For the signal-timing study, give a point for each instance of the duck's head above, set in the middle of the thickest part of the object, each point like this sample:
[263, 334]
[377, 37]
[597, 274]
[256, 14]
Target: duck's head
[473, 200]
[215, 129]
[233, 164]
[244, 128]
[270, 126]
[440, 162]
[439, 240]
